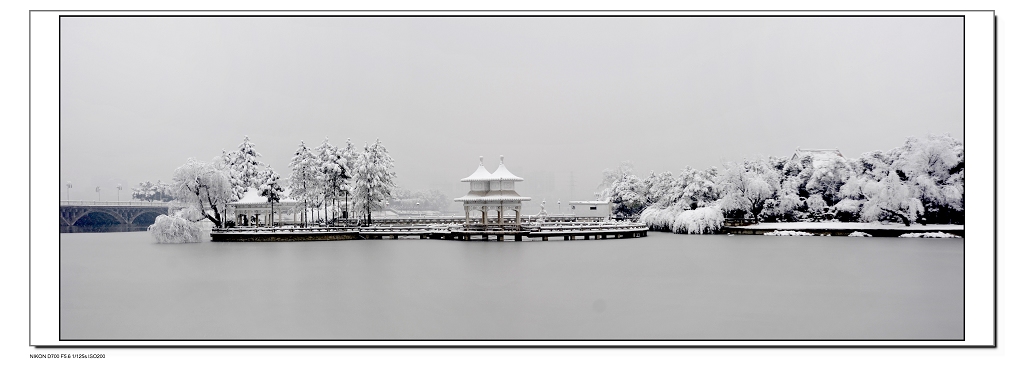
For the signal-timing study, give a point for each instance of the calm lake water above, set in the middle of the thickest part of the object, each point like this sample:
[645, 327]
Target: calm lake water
[665, 286]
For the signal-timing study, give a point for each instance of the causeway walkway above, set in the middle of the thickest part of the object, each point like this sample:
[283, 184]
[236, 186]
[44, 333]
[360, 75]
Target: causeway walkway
[544, 231]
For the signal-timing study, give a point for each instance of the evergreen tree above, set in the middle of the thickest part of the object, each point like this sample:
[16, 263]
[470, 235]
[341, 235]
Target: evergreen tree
[303, 179]
[333, 172]
[373, 179]
[350, 154]
[271, 190]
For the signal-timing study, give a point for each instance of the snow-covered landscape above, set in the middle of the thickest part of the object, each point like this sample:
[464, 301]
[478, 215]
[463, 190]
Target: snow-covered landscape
[325, 178]
[918, 184]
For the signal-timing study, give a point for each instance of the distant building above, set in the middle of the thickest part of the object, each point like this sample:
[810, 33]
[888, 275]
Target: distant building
[493, 193]
[591, 209]
[818, 156]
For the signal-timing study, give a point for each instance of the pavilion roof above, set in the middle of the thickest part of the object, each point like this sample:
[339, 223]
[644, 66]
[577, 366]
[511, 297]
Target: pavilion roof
[497, 195]
[481, 173]
[502, 173]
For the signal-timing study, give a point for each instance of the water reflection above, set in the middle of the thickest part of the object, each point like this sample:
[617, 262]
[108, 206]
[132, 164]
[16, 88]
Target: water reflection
[105, 228]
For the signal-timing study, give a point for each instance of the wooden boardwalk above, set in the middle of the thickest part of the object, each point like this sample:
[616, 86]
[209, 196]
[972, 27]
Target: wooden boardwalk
[544, 231]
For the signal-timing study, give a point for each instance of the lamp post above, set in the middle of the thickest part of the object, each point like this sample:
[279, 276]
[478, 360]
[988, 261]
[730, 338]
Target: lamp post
[418, 209]
[118, 192]
[386, 203]
[69, 190]
[98, 193]
[559, 207]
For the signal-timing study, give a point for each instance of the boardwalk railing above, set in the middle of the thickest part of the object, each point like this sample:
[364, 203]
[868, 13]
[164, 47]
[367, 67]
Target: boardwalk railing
[115, 203]
[286, 229]
[560, 227]
[583, 227]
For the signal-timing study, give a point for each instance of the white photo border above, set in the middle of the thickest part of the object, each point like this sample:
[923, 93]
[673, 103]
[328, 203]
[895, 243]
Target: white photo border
[979, 135]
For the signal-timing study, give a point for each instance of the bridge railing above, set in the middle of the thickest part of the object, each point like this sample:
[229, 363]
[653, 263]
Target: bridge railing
[115, 203]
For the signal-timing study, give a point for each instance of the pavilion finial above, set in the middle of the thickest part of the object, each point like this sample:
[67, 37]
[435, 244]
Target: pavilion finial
[481, 160]
[501, 159]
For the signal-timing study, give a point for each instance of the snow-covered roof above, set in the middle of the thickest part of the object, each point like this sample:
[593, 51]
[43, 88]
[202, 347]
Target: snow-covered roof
[592, 202]
[818, 156]
[481, 173]
[252, 196]
[502, 173]
[502, 195]
[472, 195]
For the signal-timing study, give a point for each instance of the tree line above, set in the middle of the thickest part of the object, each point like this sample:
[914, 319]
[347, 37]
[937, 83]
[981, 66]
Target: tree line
[326, 177]
[921, 181]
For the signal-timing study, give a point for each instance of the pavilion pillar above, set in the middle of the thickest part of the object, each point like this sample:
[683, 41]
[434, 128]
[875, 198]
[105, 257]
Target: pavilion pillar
[518, 222]
[483, 217]
[467, 214]
[501, 214]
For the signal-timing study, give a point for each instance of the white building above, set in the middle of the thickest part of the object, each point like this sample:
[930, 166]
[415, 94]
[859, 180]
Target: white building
[818, 156]
[254, 210]
[493, 195]
[591, 209]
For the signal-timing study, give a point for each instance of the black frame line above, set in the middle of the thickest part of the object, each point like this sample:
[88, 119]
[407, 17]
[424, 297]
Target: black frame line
[964, 76]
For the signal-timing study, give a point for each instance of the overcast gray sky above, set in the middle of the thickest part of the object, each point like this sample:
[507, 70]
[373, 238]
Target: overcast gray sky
[141, 95]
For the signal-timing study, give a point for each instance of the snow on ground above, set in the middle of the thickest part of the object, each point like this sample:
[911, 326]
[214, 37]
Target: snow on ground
[853, 226]
[788, 233]
[859, 234]
[929, 235]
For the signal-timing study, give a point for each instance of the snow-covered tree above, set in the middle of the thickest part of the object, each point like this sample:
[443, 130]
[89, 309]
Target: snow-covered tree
[827, 178]
[145, 191]
[302, 182]
[700, 187]
[204, 186]
[244, 168]
[672, 189]
[678, 219]
[373, 179]
[611, 176]
[149, 191]
[248, 165]
[627, 195]
[350, 154]
[746, 188]
[658, 186]
[333, 172]
[892, 197]
[181, 227]
[935, 166]
[271, 190]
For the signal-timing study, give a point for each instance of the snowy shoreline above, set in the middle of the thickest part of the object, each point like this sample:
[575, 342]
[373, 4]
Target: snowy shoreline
[790, 226]
[849, 229]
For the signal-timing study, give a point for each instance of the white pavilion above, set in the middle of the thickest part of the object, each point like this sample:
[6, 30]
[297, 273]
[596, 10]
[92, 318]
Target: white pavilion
[493, 193]
[254, 210]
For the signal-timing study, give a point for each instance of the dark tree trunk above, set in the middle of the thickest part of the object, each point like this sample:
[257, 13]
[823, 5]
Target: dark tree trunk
[904, 218]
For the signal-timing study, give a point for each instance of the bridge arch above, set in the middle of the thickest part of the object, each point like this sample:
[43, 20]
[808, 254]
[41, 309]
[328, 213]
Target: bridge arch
[155, 212]
[92, 214]
[70, 215]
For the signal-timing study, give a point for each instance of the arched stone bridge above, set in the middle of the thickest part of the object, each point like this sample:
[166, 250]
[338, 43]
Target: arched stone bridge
[124, 212]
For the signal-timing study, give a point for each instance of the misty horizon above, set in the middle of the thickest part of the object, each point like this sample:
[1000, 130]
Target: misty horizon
[139, 96]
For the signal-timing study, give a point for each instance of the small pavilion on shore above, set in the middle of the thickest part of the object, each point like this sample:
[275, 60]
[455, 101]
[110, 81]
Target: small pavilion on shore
[493, 193]
[254, 210]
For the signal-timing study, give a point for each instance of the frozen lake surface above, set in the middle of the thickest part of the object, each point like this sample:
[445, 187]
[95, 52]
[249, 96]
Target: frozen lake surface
[665, 286]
